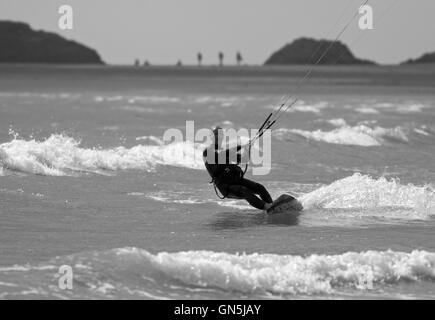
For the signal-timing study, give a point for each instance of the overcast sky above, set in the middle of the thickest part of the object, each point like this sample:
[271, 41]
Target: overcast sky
[163, 31]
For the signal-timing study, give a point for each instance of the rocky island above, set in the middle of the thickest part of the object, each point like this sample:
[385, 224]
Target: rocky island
[21, 44]
[308, 51]
[425, 58]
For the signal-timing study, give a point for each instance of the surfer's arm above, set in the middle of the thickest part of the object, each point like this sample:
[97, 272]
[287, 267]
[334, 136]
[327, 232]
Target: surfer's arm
[213, 167]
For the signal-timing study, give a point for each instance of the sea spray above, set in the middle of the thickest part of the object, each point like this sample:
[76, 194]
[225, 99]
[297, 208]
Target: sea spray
[363, 191]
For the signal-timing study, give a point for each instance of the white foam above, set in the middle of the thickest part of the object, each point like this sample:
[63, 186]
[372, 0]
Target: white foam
[59, 155]
[236, 204]
[360, 135]
[153, 139]
[223, 101]
[8, 284]
[154, 99]
[174, 197]
[384, 105]
[337, 122]
[288, 274]
[362, 191]
[410, 108]
[428, 130]
[158, 198]
[109, 128]
[367, 122]
[402, 107]
[114, 98]
[136, 194]
[302, 106]
[63, 95]
[138, 109]
[422, 132]
[192, 197]
[367, 110]
[305, 109]
[345, 136]
[399, 107]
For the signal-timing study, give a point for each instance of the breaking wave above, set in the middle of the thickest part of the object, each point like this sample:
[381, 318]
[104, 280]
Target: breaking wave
[62, 155]
[286, 274]
[360, 135]
[362, 191]
[134, 272]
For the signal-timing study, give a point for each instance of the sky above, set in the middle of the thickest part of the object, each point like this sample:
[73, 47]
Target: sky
[165, 31]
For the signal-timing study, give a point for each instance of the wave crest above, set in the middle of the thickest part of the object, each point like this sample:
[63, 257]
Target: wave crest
[360, 135]
[61, 155]
[287, 274]
[133, 272]
[362, 191]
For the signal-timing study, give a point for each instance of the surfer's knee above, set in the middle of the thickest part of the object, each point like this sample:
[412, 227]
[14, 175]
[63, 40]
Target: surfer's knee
[264, 194]
[261, 188]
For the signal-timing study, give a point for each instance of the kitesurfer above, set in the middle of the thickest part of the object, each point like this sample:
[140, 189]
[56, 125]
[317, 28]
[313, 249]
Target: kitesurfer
[228, 177]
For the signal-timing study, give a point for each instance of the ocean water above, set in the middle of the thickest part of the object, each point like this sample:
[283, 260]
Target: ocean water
[87, 181]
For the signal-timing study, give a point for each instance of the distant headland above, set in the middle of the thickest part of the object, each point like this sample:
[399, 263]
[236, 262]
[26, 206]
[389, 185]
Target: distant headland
[21, 44]
[425, 58]
[309, 51]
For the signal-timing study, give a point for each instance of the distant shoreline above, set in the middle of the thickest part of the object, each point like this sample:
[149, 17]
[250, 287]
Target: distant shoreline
[13, 77]
[216, 67]
[427, 68]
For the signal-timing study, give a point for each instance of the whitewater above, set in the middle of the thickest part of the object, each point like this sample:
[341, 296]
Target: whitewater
[87, 181]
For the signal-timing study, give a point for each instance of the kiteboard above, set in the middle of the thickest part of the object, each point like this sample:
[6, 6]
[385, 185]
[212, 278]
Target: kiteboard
[285, 203]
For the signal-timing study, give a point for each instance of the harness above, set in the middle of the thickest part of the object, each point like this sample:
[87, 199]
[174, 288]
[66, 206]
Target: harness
[227, 171]
[213, 181]
[216, 190]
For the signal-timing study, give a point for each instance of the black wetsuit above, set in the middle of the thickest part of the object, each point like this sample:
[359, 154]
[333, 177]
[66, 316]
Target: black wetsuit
[228, 178]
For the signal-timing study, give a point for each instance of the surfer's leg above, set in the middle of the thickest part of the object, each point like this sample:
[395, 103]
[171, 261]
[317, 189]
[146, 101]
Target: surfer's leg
[258, 189]
[247, 194]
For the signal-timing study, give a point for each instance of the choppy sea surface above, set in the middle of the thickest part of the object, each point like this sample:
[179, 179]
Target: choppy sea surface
[87, 181]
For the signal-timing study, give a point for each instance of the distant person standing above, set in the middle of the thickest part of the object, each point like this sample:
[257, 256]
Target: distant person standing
[136, 63]
[221, 59]
[199, 57]
[239, 58]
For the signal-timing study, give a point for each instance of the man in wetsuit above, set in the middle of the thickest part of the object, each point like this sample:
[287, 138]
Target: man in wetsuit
[228, 177]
